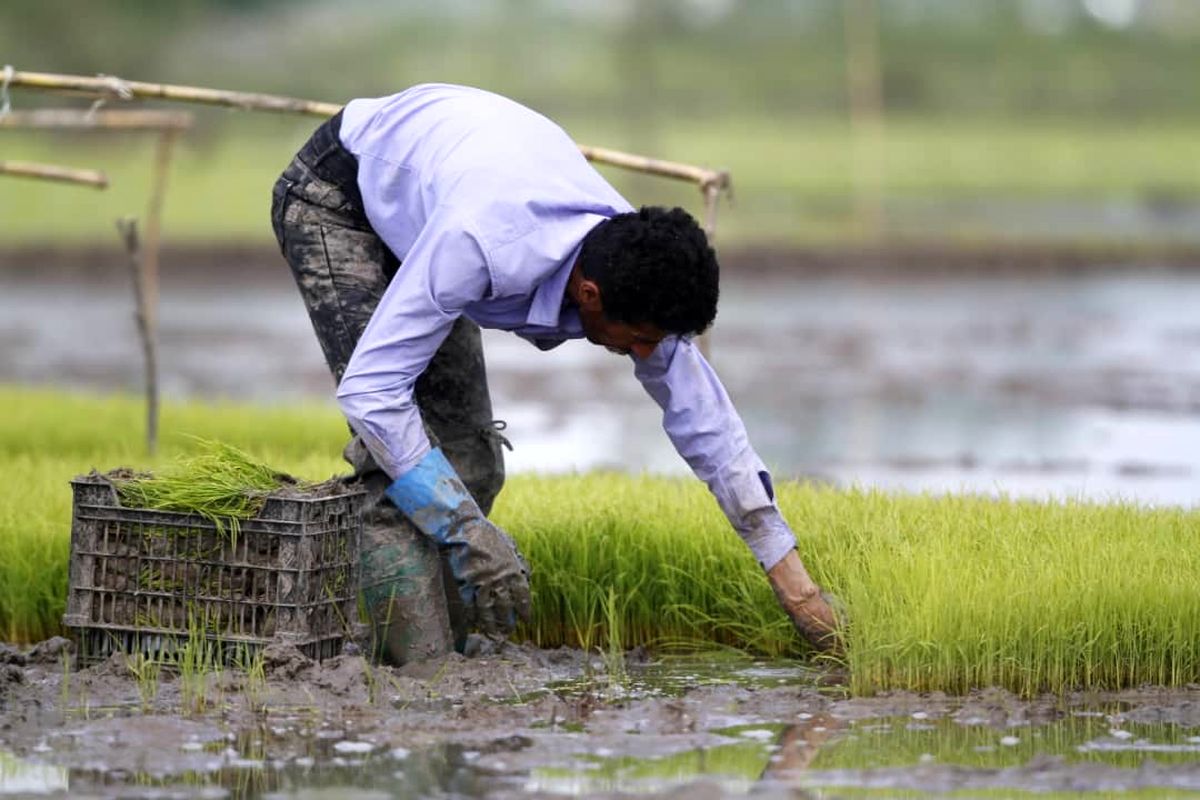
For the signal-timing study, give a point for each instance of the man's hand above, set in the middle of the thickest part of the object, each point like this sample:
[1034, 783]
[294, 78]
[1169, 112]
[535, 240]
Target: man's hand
[813, 613]
[492, 577]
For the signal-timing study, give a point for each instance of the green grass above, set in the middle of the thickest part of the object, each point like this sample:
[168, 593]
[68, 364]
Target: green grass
[792, 173]
[945, 593]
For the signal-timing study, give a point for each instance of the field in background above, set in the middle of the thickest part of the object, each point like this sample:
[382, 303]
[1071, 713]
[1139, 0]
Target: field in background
[792, 181]
[945, 592]
[1050, 104]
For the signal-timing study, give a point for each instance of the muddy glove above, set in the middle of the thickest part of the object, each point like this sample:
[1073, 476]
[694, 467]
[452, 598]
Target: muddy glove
[817, 616]
[492, 577]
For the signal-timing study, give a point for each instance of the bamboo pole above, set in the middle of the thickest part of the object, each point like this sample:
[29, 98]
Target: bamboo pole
[50, 172]
[158, 191]
[116, 88]
[127, 227]
[653, 166]
[112, 87]
[122, 120]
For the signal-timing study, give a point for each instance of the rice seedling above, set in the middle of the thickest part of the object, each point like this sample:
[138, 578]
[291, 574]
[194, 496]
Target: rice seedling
[146, 669]
[614, 651]
[220, 483]
[945, 592]
[251, 663]
[197, 659]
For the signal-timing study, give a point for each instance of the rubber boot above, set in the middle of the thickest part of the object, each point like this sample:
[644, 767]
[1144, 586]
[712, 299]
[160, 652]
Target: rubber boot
[400, 576]
[405, 598]
[454, 606]
[810, 610]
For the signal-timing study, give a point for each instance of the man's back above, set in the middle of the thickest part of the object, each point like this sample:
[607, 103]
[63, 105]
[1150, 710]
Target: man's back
[474, 159]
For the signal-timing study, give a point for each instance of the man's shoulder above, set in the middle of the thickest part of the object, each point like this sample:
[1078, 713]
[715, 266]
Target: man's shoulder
[530, 249]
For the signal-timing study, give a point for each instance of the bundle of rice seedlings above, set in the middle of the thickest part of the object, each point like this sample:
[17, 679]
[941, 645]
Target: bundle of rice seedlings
[220, 483]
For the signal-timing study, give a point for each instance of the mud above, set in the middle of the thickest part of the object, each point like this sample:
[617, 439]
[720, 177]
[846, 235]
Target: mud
[516, 720]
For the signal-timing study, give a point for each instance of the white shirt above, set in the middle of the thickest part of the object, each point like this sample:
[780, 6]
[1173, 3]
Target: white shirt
[486, 203]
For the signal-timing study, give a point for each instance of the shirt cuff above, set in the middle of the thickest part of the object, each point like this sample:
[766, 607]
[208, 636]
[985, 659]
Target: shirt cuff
[744, 492]
[770, 539]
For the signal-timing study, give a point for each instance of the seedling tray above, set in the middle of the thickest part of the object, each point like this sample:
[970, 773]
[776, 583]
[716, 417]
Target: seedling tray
[151, 582]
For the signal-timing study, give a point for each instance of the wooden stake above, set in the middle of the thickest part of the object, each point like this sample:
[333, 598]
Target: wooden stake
[50, 172]
[127, 227]
[158, 191]
[712, 194]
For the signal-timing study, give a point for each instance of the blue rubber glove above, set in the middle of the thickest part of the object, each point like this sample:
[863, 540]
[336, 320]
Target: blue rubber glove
[492, 577]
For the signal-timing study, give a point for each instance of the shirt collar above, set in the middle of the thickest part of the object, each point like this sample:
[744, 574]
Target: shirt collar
[548, 298]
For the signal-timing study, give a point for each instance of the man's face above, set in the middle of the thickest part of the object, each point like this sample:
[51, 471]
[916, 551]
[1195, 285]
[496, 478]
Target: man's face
[620, 337]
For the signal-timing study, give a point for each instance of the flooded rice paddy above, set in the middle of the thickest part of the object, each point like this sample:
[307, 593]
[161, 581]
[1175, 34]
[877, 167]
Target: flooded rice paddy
[1082, 384]
[1064, 385]
[515, 721]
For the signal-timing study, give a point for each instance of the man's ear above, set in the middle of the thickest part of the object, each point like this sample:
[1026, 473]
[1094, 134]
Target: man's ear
[589, 296]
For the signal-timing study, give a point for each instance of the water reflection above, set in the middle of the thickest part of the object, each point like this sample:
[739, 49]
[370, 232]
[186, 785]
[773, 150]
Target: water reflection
[734, 768]
[1083, 749]
[20, 776]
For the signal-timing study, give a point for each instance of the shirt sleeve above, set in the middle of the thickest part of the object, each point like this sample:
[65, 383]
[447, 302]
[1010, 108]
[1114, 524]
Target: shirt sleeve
[443, 271]
[707, 431]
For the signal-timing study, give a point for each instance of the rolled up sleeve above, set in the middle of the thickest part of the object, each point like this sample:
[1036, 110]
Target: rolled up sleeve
[443, 271]
[702, 423]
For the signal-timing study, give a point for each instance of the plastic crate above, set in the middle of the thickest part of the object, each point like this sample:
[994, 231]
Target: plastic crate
[143, 581]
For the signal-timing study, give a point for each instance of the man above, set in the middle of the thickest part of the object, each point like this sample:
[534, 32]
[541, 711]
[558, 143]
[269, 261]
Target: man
[411, 220]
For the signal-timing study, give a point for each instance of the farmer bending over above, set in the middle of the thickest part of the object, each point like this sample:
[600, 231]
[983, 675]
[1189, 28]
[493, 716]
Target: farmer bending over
[412, 220]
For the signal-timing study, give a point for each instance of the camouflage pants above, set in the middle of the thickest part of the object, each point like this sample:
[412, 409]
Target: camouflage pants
[342, 269]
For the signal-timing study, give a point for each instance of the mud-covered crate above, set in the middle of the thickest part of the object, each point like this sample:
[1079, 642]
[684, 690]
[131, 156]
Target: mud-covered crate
[144, 580]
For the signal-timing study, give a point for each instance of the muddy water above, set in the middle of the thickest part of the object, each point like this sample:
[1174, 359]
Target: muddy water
[1085, 384]
[515, 721]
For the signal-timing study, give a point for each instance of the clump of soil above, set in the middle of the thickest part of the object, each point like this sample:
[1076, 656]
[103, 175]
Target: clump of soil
[510, 710]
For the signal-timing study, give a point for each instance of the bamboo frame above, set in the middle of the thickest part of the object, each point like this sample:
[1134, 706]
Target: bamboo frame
[114, 88]
[52, 172]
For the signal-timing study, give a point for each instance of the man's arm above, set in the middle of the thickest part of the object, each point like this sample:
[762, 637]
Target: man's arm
[707, 431]
[442, 272]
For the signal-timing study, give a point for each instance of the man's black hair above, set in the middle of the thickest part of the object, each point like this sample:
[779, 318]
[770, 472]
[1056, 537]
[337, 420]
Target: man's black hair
[653, 266]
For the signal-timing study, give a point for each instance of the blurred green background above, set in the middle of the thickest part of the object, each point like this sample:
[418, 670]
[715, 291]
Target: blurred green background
[979, 120]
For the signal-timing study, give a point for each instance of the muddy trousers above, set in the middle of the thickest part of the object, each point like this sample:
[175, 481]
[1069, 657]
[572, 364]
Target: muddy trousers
[342, 269]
